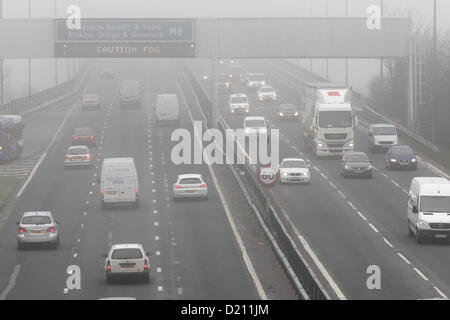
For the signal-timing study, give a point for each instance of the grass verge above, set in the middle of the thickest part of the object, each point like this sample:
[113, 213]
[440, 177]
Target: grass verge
[7, 186]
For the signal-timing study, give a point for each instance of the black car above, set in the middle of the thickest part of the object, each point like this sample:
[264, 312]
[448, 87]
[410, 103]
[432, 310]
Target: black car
[288, 112]
[399, 157]
[356, 164]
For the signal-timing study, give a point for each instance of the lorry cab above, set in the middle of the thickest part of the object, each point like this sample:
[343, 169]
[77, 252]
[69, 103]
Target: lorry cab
[429, 208]
[119, 182]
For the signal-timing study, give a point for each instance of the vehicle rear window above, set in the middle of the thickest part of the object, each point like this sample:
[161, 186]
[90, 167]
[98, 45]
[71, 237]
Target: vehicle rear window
[294, 164]
[190, 181]
[239, 100]
[402, 150]
[91, 96]
[384, 131]
[266, 89]
[77, 151]
[123, 254]
[36, 220]
[83, 132]
[360, 157]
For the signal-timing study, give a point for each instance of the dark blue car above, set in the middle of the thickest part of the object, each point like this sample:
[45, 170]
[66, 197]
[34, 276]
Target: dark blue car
[399, 157]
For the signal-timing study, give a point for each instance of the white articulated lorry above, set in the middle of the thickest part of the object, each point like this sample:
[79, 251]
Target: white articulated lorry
[328, 119]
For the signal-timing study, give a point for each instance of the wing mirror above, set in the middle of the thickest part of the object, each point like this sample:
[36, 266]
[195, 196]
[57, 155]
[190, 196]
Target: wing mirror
[104, 255]
[17, 223]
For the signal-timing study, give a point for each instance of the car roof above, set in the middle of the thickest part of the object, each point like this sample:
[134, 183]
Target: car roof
[382, 125]
[254, 118]
[37, 214]
[401, 147]
[433, 186]
[78, 147]
[189, 175]
[84, 129]
[354, 153]
[118, 160]
[255, 74]
[126, 246]
[266, 87]
[293, 159]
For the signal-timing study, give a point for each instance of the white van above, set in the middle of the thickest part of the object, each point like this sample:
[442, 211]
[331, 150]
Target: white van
[167, 108]
[429, 208]
[119, 182]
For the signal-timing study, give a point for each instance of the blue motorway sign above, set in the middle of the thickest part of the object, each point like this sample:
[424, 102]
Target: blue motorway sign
[126, 30]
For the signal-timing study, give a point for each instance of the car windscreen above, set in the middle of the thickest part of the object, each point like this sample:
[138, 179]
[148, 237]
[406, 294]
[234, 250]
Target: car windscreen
[255, 124]
[124, 254]
[384, 131]
[402, 150]
[222, 78]
[190, 181]
[239, 100]
[91, 96]
[293, 164]
[434, 204]
[266, 90]
[256, 77]
[77, 151]
[357, 158]
[36, 220]
[335, 119]
[288, 108]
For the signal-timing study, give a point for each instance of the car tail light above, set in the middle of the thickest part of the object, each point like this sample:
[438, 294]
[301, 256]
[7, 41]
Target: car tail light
[22, 230]
[91, 137]
[121, 97]
[203, 186]
[88, 157]
[84, 101]
[177, 186]
[67, 159]
[137, 192]
[51, 230]
[145, 264]
[108, 265]
[75, 137]
[102, 193]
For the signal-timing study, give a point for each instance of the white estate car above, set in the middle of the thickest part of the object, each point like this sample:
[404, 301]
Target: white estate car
[190, 186]
[127, 260]
[294, 170]
[238, 103]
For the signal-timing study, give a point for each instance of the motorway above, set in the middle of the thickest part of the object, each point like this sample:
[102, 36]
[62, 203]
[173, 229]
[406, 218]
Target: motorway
[343, 226]
[194, 252]
[346, 225]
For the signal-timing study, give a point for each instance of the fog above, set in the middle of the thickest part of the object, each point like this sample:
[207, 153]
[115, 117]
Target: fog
[360, 71]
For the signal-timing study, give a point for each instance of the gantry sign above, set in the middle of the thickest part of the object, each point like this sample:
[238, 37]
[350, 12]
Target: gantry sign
[205, 38]
[128, 38]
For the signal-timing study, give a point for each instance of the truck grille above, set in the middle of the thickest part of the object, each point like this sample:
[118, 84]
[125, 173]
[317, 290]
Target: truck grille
[440, 225]
[336, 145]
[335, 136]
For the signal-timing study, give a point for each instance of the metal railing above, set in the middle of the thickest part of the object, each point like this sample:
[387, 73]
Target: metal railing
[25, 105]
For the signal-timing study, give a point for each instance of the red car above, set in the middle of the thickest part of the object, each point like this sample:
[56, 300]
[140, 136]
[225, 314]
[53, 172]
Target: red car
[84, 136]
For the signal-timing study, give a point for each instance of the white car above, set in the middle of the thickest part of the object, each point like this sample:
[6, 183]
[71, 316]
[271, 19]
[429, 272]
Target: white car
[256, 126]
[294, 170]
[267, 93]
[127, 260]
[78, 156]
[238, 103]
[190, 186]
[37, 227]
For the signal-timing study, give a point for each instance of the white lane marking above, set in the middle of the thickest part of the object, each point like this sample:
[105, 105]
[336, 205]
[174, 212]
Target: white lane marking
[421, 274]
[352, 205]
[361, 215]
[388, 243]
[332, 185]
[248, 263]
[343, 196]
[75, 255]
[403, 258]
[156, 238]
[33, 172]
[158, 269]
[12, 282]
[373, 228]
[440, 293]
[158, 253]
[156, 224]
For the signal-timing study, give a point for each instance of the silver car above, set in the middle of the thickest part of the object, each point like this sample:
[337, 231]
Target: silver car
[78, 156]
[37, 227]
[190, 186]
[90, 101]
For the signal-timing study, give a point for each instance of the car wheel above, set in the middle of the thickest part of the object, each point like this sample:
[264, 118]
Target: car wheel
[55, 245]
[175, 199]
[136, 204]
[108, 279]
[410, 232]
[19, 246]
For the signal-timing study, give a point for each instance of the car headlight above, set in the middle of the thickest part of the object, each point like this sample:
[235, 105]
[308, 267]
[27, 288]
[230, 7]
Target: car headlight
[232, 111]
[1, 148]
[412, 160]
[205, 77]
[393, 160]
[281, 114]
[320, 145]
[347, 167]
[305, 174]
[351, 145]
[296, 114]
[376, 142]
[369, 167]
[247, 110]
[423, 225]
[285, 174]
[396, 142]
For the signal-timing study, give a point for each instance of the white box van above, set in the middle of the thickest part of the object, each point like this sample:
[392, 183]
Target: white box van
[119, 182]
[429, 208]
[167, 108]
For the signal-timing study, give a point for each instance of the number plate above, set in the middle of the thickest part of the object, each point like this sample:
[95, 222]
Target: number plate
[440, 236]
[111, 193]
